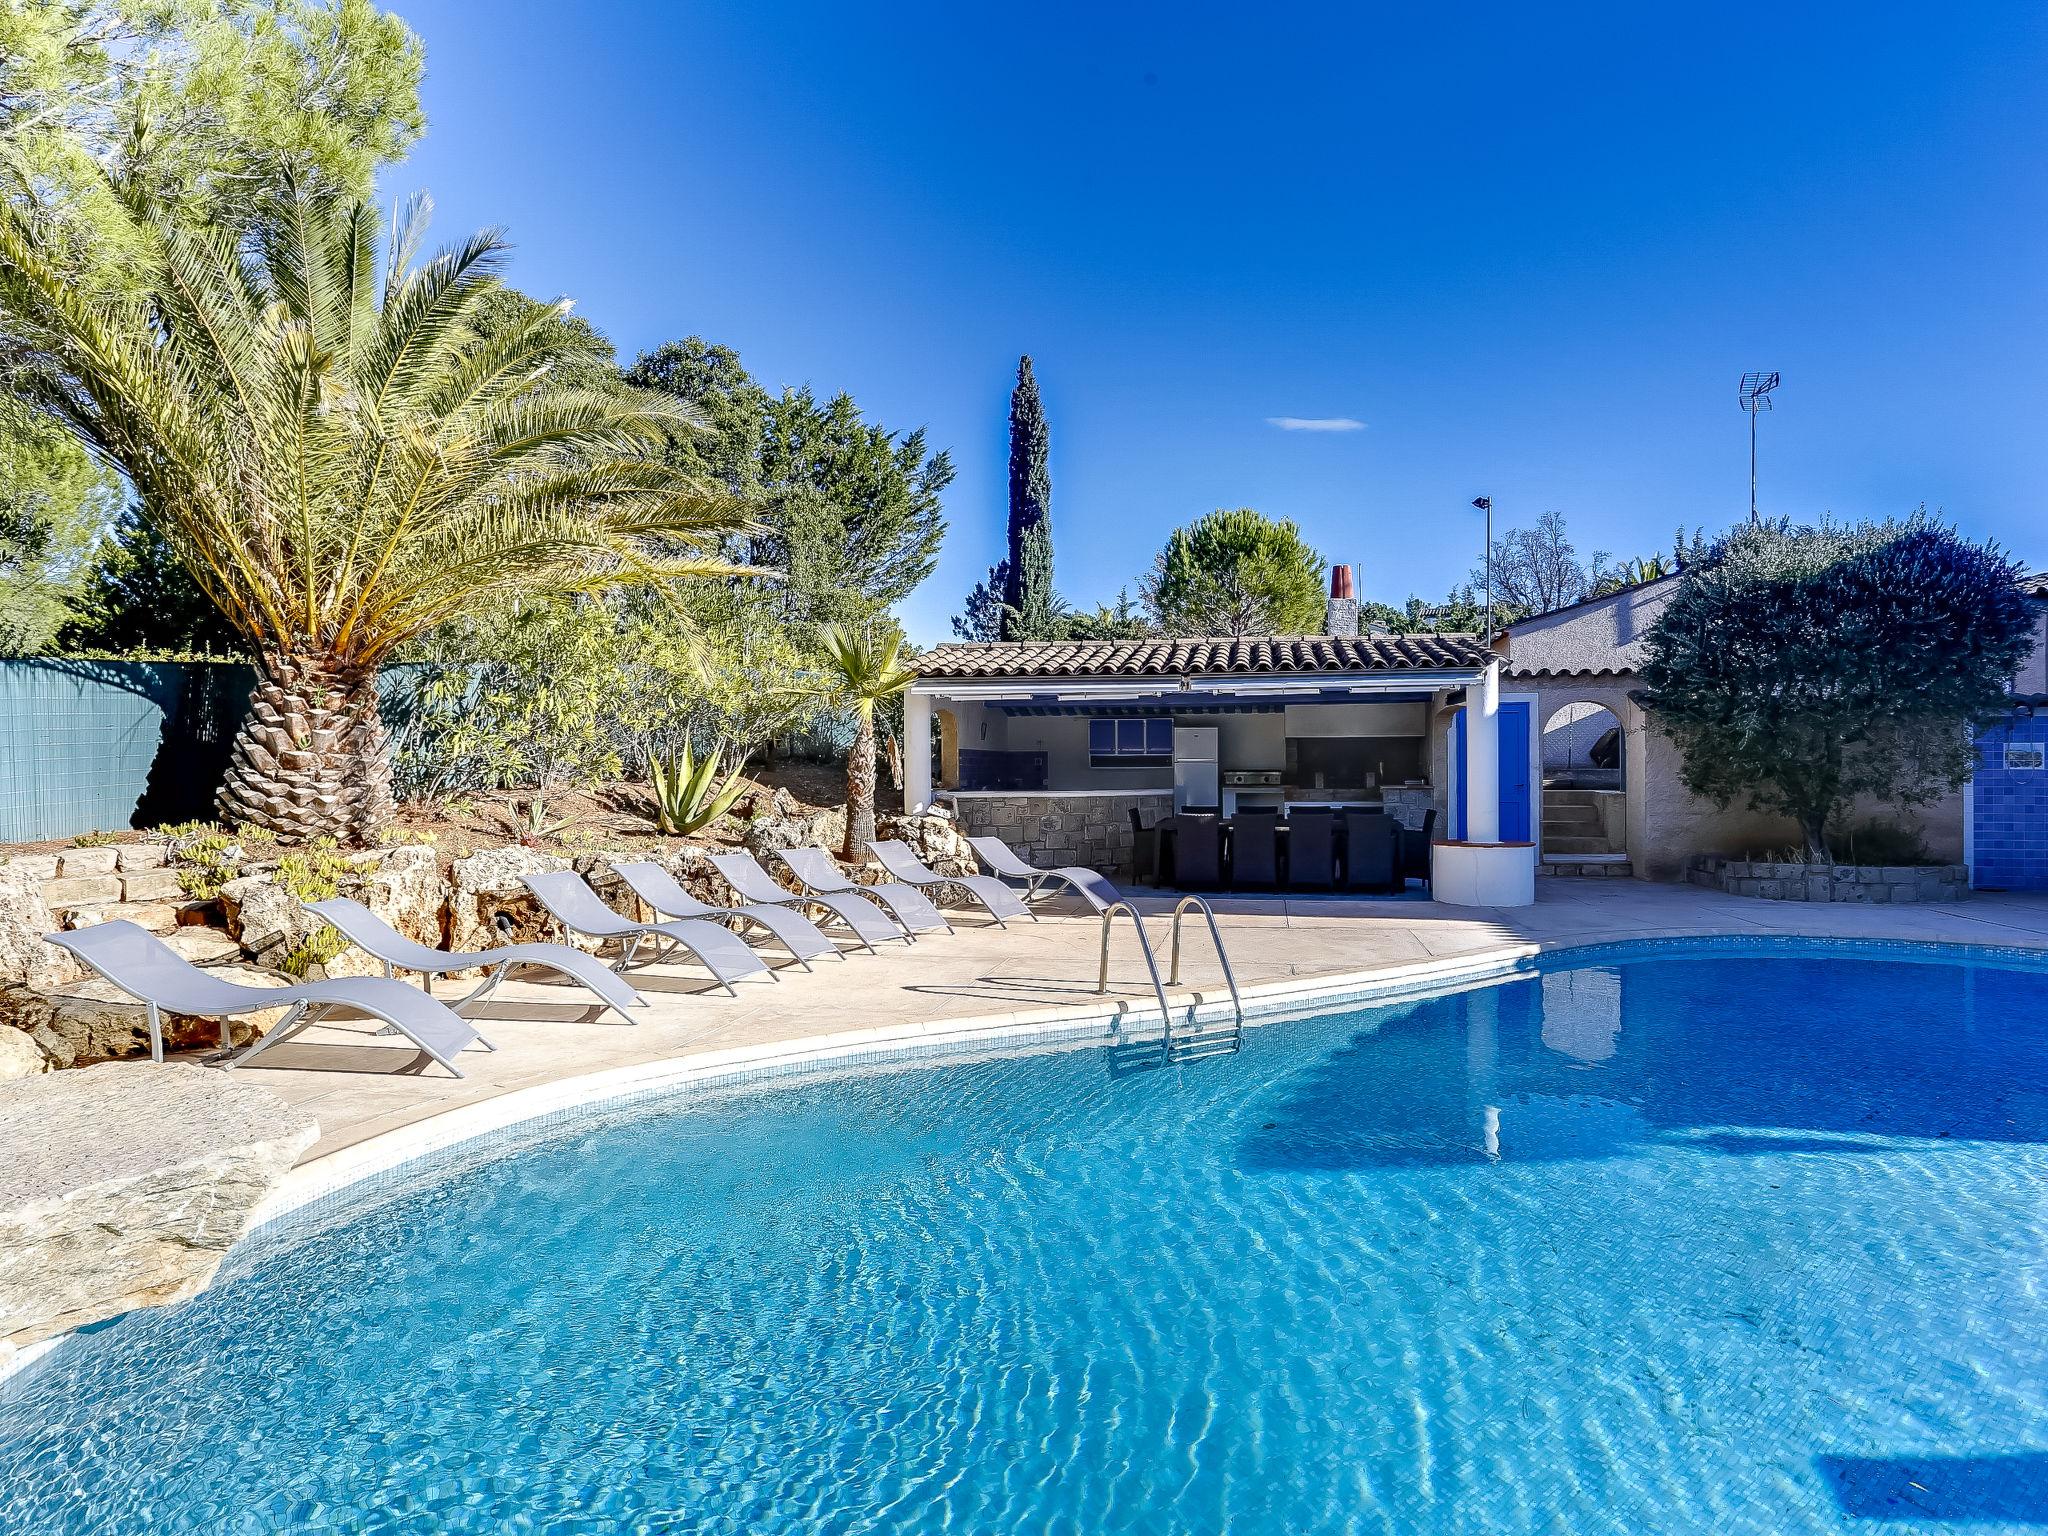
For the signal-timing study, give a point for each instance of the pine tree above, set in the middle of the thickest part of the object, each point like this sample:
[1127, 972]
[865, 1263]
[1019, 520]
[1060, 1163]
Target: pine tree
[1027, 587]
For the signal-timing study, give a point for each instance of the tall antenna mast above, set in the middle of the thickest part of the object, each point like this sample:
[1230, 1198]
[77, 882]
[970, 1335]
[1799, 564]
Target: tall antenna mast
[1755, 396]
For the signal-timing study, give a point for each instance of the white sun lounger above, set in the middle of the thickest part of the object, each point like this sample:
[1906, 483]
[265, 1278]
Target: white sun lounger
[1002, 859]
[150, 971]
[573, 904]
[870, 924]
[819, 873]
[663, 892]
[381, 942]
[901, 860]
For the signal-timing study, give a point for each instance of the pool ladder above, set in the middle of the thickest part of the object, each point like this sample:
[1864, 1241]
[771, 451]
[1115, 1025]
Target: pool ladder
[1196, 1040]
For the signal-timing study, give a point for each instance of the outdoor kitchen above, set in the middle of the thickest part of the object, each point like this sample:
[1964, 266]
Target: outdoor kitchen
[1068, 750]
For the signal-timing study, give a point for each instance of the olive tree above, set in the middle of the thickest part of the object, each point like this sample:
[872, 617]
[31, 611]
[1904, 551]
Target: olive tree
[1800, 667]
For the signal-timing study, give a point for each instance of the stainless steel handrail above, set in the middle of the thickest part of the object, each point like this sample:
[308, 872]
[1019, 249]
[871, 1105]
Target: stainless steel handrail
[1145, 949]
[1216, 938]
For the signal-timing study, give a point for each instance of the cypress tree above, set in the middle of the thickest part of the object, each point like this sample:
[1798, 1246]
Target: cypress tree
[1027, 584]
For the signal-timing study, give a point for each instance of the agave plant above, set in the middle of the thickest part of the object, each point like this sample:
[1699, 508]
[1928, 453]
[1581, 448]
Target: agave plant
[344, 458]
[863, 671]
[688, 792]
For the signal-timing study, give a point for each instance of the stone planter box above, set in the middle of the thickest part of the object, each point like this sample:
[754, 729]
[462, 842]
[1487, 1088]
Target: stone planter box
[1769, 881]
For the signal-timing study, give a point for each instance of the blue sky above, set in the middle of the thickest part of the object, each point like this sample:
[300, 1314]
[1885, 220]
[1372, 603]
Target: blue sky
[1530, 248]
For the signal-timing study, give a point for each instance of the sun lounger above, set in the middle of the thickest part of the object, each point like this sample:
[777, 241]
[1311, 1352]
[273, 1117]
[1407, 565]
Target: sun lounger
[1002, 859]
[902, 861]
[381, 942]
[869, 923]
[150, 971]
[573, 904]
[663, 892]
[820, 873]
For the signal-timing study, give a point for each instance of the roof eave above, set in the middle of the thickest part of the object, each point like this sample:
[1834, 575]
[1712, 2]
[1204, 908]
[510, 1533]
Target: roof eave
[1241, 684]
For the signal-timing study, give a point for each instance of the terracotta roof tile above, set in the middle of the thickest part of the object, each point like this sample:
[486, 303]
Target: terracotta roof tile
[1252, 655]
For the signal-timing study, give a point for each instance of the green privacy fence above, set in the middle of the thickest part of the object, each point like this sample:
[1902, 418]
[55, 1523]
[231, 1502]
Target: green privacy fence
[97, 746]
[88, 746]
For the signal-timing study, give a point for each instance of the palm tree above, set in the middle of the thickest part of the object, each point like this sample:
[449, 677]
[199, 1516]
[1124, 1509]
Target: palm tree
[862, 670]
[345, 458]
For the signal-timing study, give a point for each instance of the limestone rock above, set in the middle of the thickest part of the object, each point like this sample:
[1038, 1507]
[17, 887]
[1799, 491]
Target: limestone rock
[203, 946]
[127, 1183]
[137, 856]
[486, 887]
[94, 1020]
[405, 890]
[269, 920]
[768, 833]
[74, 862]
[20, 1056]
[939, 842]
[692, 869]
[152, 885]
[24, 919]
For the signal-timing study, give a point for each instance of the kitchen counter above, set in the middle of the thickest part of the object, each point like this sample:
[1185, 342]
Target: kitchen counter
[1406, 803]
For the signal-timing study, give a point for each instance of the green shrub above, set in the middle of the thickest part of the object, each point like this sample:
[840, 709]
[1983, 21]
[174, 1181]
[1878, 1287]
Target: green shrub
[95, 839]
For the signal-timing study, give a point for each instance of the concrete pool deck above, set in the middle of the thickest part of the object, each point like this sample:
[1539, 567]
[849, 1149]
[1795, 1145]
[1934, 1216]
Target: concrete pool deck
[988, 981]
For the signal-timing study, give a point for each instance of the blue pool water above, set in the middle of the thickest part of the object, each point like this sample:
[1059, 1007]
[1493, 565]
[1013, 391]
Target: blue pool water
[1693, 1242]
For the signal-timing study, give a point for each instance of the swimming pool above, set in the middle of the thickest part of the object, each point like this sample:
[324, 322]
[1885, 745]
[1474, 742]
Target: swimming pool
[1698, 1240]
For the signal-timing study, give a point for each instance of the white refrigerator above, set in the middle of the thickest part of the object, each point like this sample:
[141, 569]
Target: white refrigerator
[1195, 773]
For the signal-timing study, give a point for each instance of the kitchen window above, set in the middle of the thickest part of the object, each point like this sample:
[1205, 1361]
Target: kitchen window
[1124, 743]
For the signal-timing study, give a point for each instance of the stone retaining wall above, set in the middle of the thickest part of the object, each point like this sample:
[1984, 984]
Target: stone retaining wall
[1771, 881]
[257, 930]
[1050, 830]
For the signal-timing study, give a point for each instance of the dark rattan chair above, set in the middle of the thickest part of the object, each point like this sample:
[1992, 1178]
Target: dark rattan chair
[1415, 848]
[1370, 850]
[1254, 850]
[1144, 849]
[1197, 852]
[1311, 850]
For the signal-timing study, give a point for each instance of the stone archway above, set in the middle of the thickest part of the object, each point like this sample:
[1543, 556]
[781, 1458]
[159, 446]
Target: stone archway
[1585, 759]
[1583, 746]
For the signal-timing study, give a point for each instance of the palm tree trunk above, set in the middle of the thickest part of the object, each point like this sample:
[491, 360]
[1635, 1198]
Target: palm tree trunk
[860, 794]
[312, 758]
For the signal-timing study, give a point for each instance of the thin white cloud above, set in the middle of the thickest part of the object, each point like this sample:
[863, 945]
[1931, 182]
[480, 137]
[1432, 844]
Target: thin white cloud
[1316, 423]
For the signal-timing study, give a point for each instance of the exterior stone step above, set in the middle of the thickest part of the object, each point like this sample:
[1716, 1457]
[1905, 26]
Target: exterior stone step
[152, 885]
[157, 916]
[1598, 866]
[1570, 797]
[1570, 844]
[1565, 818]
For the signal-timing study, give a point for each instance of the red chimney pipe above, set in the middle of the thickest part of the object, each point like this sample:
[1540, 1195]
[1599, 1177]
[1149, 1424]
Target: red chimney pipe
[1340, 581]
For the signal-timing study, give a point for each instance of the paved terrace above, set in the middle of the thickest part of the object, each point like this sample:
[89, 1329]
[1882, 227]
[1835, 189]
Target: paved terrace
[360, 1086]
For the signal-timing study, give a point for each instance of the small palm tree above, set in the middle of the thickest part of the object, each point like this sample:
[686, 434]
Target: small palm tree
[862, 670]
[345, 458]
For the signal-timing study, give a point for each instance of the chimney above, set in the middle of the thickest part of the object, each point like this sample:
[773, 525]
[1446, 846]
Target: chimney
[1340, 616]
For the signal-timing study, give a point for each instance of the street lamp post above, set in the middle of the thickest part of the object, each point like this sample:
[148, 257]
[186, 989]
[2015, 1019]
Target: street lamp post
[1485, 504]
